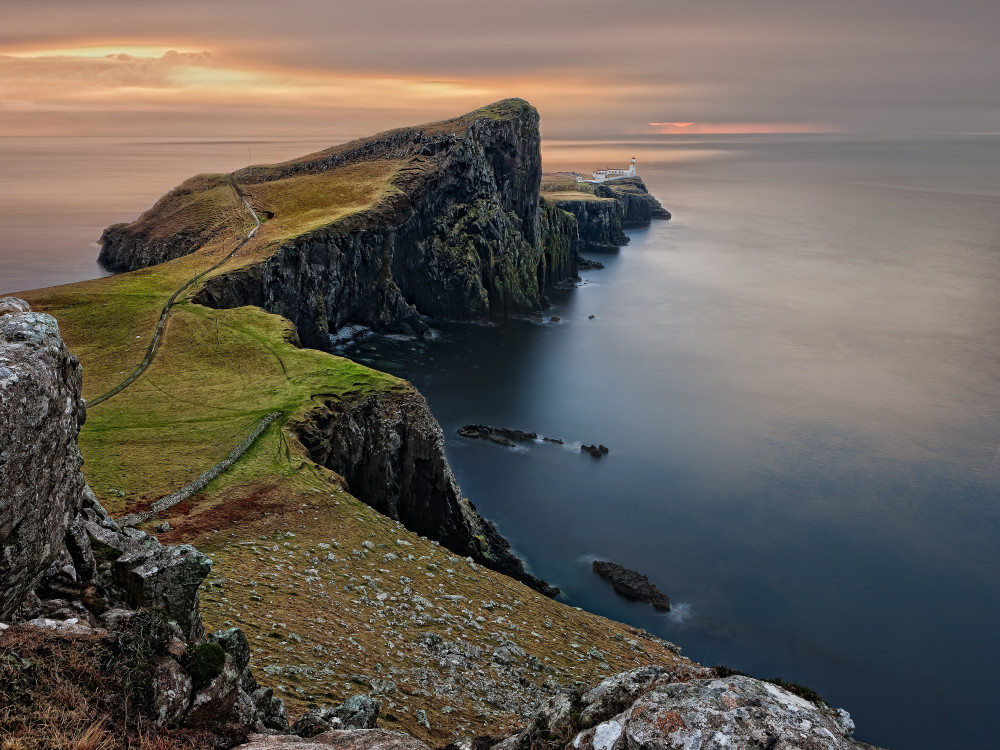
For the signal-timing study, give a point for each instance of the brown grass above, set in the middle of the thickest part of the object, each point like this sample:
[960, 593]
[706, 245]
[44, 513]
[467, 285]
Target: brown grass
[60, 692]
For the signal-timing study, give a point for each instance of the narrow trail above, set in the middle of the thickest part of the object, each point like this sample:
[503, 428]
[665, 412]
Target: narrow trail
[154, 345]
[203, 479]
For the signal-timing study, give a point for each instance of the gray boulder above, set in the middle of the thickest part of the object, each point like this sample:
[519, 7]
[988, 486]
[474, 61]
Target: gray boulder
[357, 739]
[656, 708]
[41, 411]
[171, 691]
[357, 712]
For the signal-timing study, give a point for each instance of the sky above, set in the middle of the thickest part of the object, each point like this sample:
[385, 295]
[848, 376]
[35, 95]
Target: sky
[593, 69]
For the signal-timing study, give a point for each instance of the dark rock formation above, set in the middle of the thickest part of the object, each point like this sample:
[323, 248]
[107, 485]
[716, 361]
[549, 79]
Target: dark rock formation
[41, 411]
[174, 227]
[656, 707]
[638, 206]
[631, 584]
[600, 220]
[390, 450]
[595, 450]
[499, 435]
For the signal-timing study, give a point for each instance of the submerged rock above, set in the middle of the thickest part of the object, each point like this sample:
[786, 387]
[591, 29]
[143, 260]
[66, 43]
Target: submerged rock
[631, 584]
[500, 435]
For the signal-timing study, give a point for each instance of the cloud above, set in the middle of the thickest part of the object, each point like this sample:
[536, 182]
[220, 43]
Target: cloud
[592, 68]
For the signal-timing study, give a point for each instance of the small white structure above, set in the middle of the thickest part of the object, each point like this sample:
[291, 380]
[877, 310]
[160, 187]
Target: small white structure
[603, 175]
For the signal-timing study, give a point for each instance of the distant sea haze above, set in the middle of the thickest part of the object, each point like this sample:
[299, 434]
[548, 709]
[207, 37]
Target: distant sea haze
[797, 377]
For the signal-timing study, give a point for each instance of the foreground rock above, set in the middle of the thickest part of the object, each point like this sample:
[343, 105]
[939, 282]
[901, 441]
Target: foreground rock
[631, 584]
[41, 487]
[358, 739]
[650, 708]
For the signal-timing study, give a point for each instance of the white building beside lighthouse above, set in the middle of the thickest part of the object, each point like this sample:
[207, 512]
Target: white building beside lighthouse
[604, 175]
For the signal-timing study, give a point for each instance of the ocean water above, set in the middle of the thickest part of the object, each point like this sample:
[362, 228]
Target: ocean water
[798, 378]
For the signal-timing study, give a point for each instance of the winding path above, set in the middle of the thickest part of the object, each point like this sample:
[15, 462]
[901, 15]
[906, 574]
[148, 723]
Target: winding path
[203, 479]
[154, 345]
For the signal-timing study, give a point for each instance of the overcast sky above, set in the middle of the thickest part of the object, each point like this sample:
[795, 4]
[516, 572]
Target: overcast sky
[594, 69]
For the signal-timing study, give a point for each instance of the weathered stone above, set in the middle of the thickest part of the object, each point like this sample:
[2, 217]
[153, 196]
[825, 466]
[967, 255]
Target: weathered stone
[357, 739]
[733, 712]
[614, 694]
[270, 709]
[357, 712]
[172, 689]
[236, 646]
[656, 708]
[215, 704]
[41, 411]
[166, 577]
[316, 721]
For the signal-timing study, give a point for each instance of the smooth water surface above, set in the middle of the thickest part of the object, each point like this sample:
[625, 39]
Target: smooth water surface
[798, 378]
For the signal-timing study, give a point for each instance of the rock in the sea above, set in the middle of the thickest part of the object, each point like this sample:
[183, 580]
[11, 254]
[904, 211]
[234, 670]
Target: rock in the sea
[41, 411]
[631, 584]
[500, 435]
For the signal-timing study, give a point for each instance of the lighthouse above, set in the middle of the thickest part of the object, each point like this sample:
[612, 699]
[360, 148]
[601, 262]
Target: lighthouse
[611, 174]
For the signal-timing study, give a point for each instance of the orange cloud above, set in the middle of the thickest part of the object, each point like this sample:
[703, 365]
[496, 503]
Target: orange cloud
[735, 128]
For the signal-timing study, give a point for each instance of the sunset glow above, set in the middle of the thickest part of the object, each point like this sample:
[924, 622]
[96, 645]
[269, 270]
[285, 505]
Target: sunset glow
[737, 128]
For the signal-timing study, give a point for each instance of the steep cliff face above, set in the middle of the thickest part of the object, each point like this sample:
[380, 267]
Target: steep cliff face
[599, 220]
[41, 487]
[457, 233]
[638, 206]
[390, 450]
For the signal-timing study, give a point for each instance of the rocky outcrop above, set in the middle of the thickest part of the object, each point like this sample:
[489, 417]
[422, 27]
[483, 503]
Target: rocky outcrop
[638, 206]
[41, 410]
[390, 449]
[358, 739]
[631, 584]
[504, 436]
[600, 220]
[653, 707]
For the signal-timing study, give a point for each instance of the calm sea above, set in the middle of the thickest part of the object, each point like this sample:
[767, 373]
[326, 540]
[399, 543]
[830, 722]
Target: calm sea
[798, 378]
